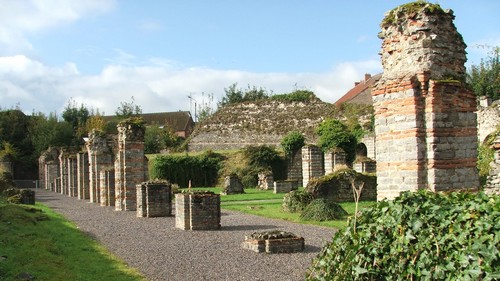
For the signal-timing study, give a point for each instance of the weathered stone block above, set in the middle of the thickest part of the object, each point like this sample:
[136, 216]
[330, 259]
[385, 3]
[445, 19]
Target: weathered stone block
[154, 199]
[274, 242]
[285, 186]
[197, 211]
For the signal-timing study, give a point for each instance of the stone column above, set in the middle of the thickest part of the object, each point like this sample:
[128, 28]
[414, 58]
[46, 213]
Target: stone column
[312, 163]
[48, 165]
[107, 187]
[63, 166]
[72, 176]
[129, 163]
[294, 167]
[100, 158]
[334, 159]
[425, 124]
[154, 199]
[82, 160]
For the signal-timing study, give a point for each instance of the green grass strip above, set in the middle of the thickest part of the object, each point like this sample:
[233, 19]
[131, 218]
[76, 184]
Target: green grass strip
[42, 243]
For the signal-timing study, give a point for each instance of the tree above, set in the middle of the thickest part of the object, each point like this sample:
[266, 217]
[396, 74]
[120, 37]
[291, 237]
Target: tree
[128, 109]
[77, 117]
[485, 77]
[48, 131]
[235, 95]
[333, 133]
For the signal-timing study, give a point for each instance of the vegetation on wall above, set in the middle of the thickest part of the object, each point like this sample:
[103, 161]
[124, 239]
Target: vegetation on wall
[261, 158]
[334, 133]
[292, 142]
[418, 236]
[202, 170]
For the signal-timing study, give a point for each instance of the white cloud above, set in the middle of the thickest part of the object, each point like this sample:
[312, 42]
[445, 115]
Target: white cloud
[35, 86]
[21, 17]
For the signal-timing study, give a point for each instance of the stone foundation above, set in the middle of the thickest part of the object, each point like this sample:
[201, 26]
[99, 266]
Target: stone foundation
[285, 186]
[197, 211]
[154, 200]
[270, 244]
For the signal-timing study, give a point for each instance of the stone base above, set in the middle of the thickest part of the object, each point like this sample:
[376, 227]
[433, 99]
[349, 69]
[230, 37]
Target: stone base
[271, 246]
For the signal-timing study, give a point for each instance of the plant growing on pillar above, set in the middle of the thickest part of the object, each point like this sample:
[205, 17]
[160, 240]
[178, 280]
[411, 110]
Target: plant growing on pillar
[292, 142]
[334, 133]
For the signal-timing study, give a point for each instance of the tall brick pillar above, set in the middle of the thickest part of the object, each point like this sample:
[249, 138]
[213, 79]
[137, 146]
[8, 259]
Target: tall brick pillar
[82, 160]
[312, 163]
[425, 121]
[129, 163]
[100, 158]
[48, 166]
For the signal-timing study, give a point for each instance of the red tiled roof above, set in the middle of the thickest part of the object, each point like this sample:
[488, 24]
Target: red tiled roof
[358, 89]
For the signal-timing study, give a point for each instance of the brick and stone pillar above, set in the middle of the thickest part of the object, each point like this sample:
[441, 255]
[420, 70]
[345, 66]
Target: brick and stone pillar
[129, 163]
[82, 160]
[63, 173]
[197, 211]
[100, 158]
[107, 187]
[312, 163]
[294, 166]
[425, 121]
[154, 199]
[48, 165]
[72, 175]
[334, 159]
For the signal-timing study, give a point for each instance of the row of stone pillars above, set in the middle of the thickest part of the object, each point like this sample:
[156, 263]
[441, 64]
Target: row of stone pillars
[311, 162]
[106, 173]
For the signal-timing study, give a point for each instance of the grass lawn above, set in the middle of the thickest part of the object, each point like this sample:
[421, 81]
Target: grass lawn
[267, 204]
[37, 241]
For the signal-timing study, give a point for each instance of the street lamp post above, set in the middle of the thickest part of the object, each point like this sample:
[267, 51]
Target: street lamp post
[191, 100]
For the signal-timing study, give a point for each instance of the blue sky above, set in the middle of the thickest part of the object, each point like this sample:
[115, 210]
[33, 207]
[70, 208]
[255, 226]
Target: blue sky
[103, 52]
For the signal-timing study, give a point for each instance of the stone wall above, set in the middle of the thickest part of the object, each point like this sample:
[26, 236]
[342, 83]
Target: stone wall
[197, 211]
[338, 186]
[488, 120]
[425, 122]
[154, 199]
[312, 163]
[257, 123]
[294, 166]
[334, 159]
[129, 164]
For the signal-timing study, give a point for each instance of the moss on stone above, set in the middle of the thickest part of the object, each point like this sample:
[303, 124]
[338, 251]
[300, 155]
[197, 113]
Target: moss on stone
[410, 10]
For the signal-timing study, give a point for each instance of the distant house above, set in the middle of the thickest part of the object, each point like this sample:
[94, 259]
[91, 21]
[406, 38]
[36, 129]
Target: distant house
[362, 91]
[180, 122]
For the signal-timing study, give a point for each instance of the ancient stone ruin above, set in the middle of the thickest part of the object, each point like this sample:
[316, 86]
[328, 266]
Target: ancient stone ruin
[274, 242]
[232, 185]
[425, 121]
[197, 211]
[154, 199]
[106, 173]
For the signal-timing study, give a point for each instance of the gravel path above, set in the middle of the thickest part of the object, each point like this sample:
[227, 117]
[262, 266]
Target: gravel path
[162, 252]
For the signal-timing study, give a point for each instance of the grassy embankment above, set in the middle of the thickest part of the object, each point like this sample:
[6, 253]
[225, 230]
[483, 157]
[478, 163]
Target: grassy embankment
[35, 240]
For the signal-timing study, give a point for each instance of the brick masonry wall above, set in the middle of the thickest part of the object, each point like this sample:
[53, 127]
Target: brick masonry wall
[294, 167]
[82, 160]
[154, 200]
[312, 163]
[129, 165]
[425, 123]
[197, 211]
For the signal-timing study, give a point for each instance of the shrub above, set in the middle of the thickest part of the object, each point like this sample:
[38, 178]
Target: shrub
[259, 159]
[202, 170]
[292, 142]
[296, 201]
[323, 210]
[418, 236]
